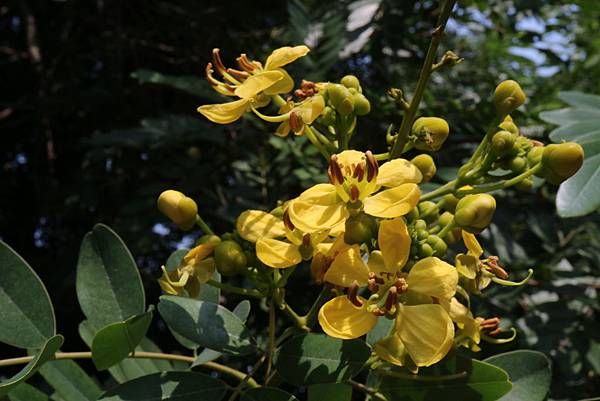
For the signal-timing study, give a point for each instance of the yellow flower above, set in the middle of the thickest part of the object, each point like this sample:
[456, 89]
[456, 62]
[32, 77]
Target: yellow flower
[301, 115]
[196, 268]
[424, 327]
[469, 331]
[253, 84]
[477, 273]
[355, 177]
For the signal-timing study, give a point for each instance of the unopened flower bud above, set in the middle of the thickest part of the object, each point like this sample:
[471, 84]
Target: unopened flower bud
[508, 96]
[340, 98]
[428, 210]
[426, 166]
[208, 239]
[360, 229]
[502, 143]
[420, 225]
[439, 246]
[517, 164]
[426, 250]
[362, 106]
[328, 116]
[534, 156]
[430, 132]
[561, 161]
[230, 258]
[446, 218]
[474, 212]
[449, 203]
[179, 208]
[525, 185]
[509, 125]
[350, 81]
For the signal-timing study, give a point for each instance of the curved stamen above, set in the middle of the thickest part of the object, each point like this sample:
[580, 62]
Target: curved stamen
[372, 166]
[391, 299]
[353, 295]
[287, 221]
[354, 193]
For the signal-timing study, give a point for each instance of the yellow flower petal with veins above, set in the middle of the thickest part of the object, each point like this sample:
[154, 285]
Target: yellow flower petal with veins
[311, 108]
[394, 242]
[255, 224]
[397, 172]
[255, 84]
[341, 319]
[467, 265]
[393, 202]
[426, 331]
[224, 113]
[285, 55]
[277, 254]
[347, 267]
[204, 270]
[284, 85]
[472, 244]
[318, 208]
[375, 262]
[434, 277]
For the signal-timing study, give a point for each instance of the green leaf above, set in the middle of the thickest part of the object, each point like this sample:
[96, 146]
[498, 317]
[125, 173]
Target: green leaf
[26, 313]
[129, 369]
[267, 394]
[45, 354]
[168, 386]
[70, 381]
[580, 194]
[109, 287]
[529, 371]
[26, 392]
[317, 358]
[207, 324]
[330, 392]
[481, 382]
[115, 341]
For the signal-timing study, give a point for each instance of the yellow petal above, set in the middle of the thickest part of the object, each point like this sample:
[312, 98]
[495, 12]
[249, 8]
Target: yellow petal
[204, 270]
[311, 108]
[322, 194]
[277, 254]
[391, 349]
[376, 263]
[318, 208]
[283, 129]
[349, 158]
[347, 267]
[397, 172]
[340, 318]
[426, 331]
[255, 224]
[393, 202]
[255, 84]
[466, 265]
[224, 113]
[472, 244]
[284, 85]
[197, 253]
[285, 55]
[394, 243]
[434, 277]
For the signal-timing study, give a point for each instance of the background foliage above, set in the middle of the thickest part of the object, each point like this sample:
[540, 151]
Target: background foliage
[97, 116]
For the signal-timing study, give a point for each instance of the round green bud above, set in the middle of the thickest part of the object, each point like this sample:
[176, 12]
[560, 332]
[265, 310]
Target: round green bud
[508, 96]
[422, 234]
[561, 161]
[350, 81]
[179, 208]
[534, 156]
[525, 185]
[474, 212]
[446, 218]
[426, 166]
[502, 143]
[430, 133]
[439, 246]
[346, 106]
[230, 258]
[518, 164]
[425, 250]
[449, 203]
[362, 106]
[420, 225]
[428, 210]
[360, 229]
[328, 116]
[208, 239]
[337, 94]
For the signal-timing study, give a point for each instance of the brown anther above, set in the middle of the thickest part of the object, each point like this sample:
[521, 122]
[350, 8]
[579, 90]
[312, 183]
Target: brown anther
[392, 298]
[353, 294]
[372, 166]
[336, 171]
[401, 285]
[295, 121]
[245, 64]
[372, 275]
[214, 82]
[241, 75]
[379, 280]
[216, 56]
[319, 266]
[359, 171]
[491, 327]
[306, 240]
[287, 221]
[354, 193]
[307, 85]
[373, 287]
[494, 268]
[535, 143]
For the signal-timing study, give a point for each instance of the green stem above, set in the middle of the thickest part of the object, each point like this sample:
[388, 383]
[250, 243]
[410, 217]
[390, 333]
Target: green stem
[446, 229]
[426, 69]
[382, 156]
[236, 290]
[271, 345]
[441, 191]
[502, 184]
[248, 377]
[139, 355]
[203, 226]
[315, 141]
[299, 321]
[311, 316]
[368, 390]
[278, 100]
[406, 376]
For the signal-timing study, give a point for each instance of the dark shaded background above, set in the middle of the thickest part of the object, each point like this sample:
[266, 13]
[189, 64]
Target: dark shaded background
[97, 117]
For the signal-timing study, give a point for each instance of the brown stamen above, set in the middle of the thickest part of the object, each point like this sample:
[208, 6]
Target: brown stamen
[353, 294]
[372, 166]
[391, 299]
[336, 171]
[287, 221]
[295, 121]
[491, 327]
[497, 270]
[306, 240]
[216, 56]
[401, 285]
[379, 312]
[359, 171]
[241, 75]
[354, 193]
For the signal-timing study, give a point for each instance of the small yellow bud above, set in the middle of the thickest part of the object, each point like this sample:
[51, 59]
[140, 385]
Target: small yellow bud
[350, 81]
[362, 106]
[340, 99]
[509, 125]
[508, 96]
[430, 132]
[534, 156]
[179, 208]
[474, 212]
[426, 166]
[230, 258]
[208, 239]
[502, 143]
[561, 161]
[439, 246]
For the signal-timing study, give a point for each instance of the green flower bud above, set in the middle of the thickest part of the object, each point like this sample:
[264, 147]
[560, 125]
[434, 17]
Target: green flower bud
[340, 99]
[277, 212]
[502, 143]
[422, 234]
[179, 208]
[346, 106]
[420, 225]
[525, 185]
[518, 164]
[208, 239]
[426, 166]
[508, 96]
[425, 250]
[350, 81]
[328, 116]
[230, 258]
[474, 212]
[449, 203]
[362, 106]
[446, 218]
[509, 125]
[360, 229]
[430, 133]
[534, 156]
[428, 211]
[439, 246]
[561, 161]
